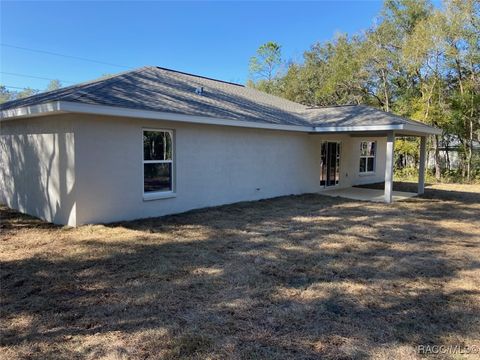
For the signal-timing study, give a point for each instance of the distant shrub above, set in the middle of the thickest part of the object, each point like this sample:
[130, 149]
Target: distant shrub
[410, 174]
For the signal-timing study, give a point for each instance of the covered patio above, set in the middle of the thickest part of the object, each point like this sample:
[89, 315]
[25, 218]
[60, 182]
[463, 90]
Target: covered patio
[362, 122]
[388, 194]
[422, 132]
[383, 166]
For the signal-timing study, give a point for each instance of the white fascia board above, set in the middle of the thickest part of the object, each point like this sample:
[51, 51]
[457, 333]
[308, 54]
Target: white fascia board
[67, 106]
[332, 129]
[31, 111]
[416, 129]
[420, 129]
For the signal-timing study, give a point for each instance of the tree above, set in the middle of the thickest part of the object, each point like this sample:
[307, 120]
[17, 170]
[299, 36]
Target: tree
[339, 77]
[405, 14]
[6, 95]
[26, 93]
[461, 23]
[381, 61]
[267, 60]
[53, 85]
[417, 61]
[423, 55]
[332, 73]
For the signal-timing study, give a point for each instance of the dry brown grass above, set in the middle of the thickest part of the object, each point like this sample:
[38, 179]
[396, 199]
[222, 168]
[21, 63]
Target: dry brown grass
[293, 277]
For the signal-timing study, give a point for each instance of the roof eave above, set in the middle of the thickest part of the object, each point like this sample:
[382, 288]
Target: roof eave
[80, 108]
[400, 129]
[31, 111]
[411, 129]
[57, 107]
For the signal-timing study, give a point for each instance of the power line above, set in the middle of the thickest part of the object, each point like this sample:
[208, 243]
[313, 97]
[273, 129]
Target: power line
[18, 87]
[63, 55]
[34, 77]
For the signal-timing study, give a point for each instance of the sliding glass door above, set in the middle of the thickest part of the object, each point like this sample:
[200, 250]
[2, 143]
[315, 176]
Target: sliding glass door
[330, 163]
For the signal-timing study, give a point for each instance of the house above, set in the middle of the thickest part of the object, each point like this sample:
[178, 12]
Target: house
[154, 141]
[450, 154]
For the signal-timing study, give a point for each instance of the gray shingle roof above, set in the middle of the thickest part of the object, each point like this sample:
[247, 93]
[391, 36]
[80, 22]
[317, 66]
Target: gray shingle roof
[354, 115]
[159, 89]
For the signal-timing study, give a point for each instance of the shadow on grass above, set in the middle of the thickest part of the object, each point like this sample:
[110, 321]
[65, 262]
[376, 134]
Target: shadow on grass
[292, 277]
[11, 221]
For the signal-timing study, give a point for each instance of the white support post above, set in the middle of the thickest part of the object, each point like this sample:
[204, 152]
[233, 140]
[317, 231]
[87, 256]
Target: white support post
[421, 168]
[389, 167]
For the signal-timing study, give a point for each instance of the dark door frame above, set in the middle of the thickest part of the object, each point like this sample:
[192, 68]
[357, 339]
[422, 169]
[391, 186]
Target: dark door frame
[330, 163]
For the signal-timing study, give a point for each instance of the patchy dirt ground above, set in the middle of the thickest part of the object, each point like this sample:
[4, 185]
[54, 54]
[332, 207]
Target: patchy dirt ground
[293, 277]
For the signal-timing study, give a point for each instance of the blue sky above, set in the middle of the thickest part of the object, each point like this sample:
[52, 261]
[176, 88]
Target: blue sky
[214, 39]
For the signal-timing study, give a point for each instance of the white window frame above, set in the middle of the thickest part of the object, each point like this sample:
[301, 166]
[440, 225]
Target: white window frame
[366, 157]
[154, 195]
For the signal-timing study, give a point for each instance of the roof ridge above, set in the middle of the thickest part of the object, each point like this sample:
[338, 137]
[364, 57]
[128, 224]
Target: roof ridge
[328, 106]
[198, 76]
[113, 79]
[403, 118]
[98, 80]
[263, 93]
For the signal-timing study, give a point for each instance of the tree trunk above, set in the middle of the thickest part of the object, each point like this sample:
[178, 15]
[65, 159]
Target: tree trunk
[462, 155]
[429, 152]
[385, 90]
[447, 157]
[438, 170]
[470, 150]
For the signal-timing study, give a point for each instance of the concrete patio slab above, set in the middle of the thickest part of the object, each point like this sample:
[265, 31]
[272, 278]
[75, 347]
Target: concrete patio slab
[364, 194]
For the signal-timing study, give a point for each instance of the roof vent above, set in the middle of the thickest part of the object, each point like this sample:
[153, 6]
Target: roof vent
[199, 90]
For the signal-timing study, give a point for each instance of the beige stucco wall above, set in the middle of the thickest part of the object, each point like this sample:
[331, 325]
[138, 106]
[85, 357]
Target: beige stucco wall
[214, 165]
[350, 159]
[77, 169]
[37, 172]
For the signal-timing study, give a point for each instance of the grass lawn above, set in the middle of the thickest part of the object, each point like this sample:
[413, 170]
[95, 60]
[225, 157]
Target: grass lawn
[292, 277]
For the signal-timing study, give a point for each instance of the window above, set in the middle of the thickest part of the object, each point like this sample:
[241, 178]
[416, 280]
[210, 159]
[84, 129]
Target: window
[157, 161]
[368, 150]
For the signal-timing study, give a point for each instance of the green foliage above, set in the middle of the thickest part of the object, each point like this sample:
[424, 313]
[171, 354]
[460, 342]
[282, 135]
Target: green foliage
[408, 147]
[266, 61]
[410, 174]
[54, 85]
[339, 80]
[26, 93]
[5, 94]
[8, 95]
[406, 14]
[331, 73]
